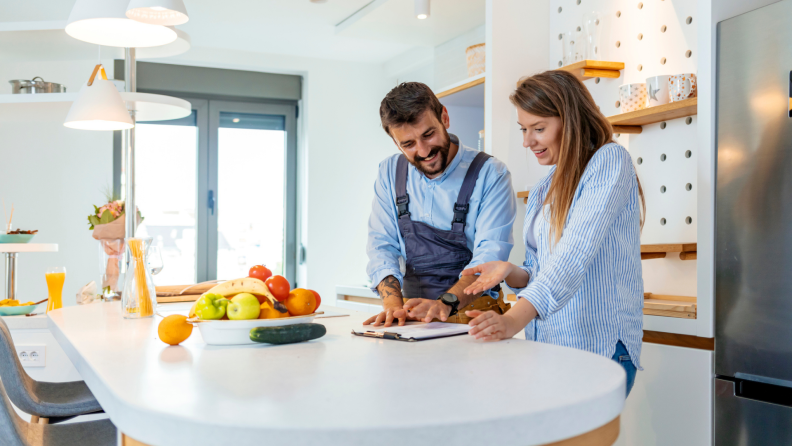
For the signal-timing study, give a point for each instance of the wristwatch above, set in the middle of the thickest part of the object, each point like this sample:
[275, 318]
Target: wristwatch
[452, 301]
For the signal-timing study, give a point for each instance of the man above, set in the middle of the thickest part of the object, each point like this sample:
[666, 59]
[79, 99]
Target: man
[441, 207]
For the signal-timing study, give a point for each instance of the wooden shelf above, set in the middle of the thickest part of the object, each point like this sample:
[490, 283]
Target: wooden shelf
[684, 307]
[631, 122]
[588, 69]
[464, 85]
[524, 195]
[687, 251]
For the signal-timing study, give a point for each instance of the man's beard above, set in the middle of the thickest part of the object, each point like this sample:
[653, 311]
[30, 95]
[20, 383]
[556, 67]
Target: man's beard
[442, 152]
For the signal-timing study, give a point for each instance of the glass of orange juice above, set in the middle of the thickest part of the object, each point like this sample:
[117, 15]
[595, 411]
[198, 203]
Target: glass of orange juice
[55, 278]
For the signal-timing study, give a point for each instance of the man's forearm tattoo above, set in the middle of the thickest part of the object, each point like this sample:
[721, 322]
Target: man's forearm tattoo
[389, 287]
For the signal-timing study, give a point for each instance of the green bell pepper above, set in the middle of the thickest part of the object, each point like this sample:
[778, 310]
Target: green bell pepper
[211, 307]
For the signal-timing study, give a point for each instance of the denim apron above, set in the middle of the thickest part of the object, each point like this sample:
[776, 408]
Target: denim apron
[435, 257]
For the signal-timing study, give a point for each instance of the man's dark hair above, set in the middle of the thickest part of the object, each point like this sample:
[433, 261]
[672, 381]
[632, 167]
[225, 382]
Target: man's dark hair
[406, 103]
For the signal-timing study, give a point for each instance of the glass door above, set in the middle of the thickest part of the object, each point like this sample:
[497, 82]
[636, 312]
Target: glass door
[251, 195]
[218, 190]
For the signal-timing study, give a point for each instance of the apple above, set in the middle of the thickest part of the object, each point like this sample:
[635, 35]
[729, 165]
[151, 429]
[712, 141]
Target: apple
[242, 307]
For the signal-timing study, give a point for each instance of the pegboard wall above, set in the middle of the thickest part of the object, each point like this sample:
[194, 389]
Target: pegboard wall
[651, 38]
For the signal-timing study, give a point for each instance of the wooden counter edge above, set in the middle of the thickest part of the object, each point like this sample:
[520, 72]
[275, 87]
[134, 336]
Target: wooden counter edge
[679, 340]
[605, 435]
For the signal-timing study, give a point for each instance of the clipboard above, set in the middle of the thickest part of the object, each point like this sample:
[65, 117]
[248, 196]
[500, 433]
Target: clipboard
[416, 332]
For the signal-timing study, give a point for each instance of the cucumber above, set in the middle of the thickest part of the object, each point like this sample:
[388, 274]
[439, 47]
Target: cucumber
[288, 334]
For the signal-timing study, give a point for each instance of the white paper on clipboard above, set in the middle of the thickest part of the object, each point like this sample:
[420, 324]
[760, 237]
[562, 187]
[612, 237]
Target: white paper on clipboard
[417, 332]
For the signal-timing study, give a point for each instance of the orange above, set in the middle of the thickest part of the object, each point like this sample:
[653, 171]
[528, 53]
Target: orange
[174, 329]
[269, 312]
[300, 302]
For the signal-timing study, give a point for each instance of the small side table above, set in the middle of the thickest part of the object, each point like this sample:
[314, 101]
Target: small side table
[11, 251]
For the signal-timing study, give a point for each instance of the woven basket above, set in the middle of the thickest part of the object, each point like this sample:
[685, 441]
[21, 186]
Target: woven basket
[475, 59]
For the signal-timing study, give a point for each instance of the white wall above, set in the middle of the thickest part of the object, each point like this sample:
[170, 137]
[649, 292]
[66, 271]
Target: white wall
[53, 175]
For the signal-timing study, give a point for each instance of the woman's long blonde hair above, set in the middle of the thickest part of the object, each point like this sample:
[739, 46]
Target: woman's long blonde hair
[584, 130]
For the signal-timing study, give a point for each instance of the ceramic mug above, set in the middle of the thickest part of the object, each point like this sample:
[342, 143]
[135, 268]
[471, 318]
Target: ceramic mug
[632, 97]
[657, 91]
[682, 86]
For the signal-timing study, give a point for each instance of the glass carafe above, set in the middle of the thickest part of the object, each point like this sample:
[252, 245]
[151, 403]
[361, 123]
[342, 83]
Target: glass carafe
[139, 298]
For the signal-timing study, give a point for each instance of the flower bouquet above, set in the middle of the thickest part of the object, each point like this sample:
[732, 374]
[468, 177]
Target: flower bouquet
[108, 227]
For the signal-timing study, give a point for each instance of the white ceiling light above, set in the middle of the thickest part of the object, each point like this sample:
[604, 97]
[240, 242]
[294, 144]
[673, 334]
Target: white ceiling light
[104, 22]
[422, 9]
[98, 106]
[158, 12]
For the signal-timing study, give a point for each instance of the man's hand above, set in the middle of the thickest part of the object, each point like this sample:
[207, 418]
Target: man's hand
[390, 292]
[427, 309]
[387, 316]
[491, 326]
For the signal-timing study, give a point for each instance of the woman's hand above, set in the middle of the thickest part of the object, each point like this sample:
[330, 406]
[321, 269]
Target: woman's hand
[490, 274]
[491, 326]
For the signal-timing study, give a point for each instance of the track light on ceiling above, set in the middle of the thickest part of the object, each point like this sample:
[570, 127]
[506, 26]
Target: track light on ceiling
[158, 12]
[421, 9]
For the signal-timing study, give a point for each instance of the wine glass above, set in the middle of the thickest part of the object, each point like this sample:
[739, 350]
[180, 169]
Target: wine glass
[154, 260]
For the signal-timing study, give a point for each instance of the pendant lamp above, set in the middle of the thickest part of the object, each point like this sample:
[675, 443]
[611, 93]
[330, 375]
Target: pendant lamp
[422, 9]
[104, 22]
[99, 106]
[158, 12]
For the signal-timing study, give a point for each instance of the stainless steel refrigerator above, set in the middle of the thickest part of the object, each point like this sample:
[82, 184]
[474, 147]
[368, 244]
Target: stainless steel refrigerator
[753, 229]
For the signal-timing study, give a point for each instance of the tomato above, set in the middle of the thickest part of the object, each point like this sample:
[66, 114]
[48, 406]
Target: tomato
[260, 272]
[279, 287]
[318, 299]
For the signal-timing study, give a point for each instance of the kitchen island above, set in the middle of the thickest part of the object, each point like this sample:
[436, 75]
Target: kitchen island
[340, 389]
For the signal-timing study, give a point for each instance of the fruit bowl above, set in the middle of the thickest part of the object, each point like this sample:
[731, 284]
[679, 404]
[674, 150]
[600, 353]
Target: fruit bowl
[16, 238]
[221, 332]
[17, 311]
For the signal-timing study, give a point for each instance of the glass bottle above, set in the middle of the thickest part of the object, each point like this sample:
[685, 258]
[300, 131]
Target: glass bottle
[139, 298]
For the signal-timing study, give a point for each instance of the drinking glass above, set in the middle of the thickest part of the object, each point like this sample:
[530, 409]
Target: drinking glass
[568, 43]
[591, 40]
[55, 277]
[154, 260]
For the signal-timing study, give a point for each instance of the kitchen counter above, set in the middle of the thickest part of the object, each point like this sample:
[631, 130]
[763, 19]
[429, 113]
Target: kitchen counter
[338, 390]
[27, 322]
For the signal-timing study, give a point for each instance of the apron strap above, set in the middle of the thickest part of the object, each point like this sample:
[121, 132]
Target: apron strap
[402, 198]
[461, 206]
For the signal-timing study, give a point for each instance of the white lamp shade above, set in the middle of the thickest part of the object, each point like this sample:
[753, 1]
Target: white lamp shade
[422, 9]
[158, 12]
[99, 107]
[104, 22]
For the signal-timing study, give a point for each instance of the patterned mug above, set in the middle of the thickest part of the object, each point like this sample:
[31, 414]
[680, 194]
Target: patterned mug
[657, 91]
[682, 86]
[632, 97]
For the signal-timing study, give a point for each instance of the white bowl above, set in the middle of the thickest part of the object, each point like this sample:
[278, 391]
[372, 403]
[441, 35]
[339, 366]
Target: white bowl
[238, 332]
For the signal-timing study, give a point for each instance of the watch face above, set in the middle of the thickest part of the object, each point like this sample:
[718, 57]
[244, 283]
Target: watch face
[448, 297]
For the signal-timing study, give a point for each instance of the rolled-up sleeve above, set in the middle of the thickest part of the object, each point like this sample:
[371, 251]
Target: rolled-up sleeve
[530, 266]
[383, 247]
[604, 192]
[493, 238]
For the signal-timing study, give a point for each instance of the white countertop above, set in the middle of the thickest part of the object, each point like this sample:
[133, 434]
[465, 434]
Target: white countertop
[27, 322]
[337, 390]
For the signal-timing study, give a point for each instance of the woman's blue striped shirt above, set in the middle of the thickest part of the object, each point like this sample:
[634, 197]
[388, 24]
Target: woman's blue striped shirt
[588, 288]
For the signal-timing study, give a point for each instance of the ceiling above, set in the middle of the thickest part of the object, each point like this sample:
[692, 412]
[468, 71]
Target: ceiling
[294, 27]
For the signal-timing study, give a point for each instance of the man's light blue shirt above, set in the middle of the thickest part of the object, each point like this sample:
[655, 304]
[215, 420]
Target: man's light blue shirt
[489, 221]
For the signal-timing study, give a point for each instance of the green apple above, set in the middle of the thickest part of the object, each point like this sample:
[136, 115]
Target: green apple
[242, 307]
[211, 307]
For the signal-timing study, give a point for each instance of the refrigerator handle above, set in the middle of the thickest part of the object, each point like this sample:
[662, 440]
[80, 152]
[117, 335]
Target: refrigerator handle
[766, 393]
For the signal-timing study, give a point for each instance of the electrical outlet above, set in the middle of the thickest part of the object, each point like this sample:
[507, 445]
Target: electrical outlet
[32, 355]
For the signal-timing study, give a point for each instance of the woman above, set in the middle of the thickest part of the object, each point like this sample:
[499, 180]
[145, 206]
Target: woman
[580, 285]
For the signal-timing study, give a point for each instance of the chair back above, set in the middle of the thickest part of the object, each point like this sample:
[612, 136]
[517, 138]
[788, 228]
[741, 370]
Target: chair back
[18, 384]
[12, 427]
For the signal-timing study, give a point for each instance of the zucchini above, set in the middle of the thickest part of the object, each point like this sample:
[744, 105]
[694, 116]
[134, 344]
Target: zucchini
[288, 334]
